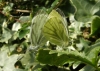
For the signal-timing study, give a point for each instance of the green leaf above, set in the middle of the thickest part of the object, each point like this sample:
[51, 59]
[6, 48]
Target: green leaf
[95, 25]
[88, 68]
[75, 27]
[84, 9]
[18, 70]
[24, 19]
[6, 35]
[54, 57]
[7, 62]
[2, 58]
[23, 33]
[28, 58]
[83, 44]
[92, 53]
[37, 37]
[55, 29]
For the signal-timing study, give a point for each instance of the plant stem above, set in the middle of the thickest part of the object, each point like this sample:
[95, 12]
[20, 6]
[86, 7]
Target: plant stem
[54, 5]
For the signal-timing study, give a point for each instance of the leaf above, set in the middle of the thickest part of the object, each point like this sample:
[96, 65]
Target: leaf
[28, 58]
[37, 38]
[75, 27]
[57, 58]
[83, 44]
[3, 58]
[6, 35]
[16, 26]
[24, 19]
[22, 33]
[18, 70]
[7, 62]
[88, 68]
[84, 9]
[95, 25]
[55, 29]
[92, 53]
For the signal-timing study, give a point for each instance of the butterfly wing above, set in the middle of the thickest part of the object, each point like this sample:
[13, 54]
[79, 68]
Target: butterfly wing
[55, 29]
[37, 38]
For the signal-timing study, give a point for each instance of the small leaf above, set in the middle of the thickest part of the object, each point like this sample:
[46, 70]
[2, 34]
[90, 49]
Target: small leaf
[95, 25]
[24, 19]
[22, 33]
[28, 58]
[16, 26]
[6, 35]
[88, 68]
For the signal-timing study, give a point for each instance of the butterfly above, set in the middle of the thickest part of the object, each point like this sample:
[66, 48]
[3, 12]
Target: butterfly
[36, 36]
[49, 27]
[56, 29]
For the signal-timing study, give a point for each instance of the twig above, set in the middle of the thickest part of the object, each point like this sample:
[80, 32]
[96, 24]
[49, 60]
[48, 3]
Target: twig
[25, 11]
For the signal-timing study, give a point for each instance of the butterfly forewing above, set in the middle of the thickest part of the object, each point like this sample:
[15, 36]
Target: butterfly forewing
[38, 21]
[64, 19]
[55, 29]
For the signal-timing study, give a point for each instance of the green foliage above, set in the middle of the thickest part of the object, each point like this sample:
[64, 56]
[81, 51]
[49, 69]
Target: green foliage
[85, 10]
[95, 25]
[37, 36]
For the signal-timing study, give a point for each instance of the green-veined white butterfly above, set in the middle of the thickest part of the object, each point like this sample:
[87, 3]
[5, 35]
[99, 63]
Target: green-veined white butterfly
[37, 38]
[55, 29]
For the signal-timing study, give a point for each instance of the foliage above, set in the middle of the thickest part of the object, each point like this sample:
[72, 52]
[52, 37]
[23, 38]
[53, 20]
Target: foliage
[35, 35]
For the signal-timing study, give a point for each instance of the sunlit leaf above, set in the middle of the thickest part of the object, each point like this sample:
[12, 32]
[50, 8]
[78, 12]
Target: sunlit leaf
[24, 19]
[88, 68]
[6, 35]
[16, 26]
[84, 9]
[7, 62]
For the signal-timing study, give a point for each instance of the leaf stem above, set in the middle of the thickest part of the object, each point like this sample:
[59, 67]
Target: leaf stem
[54, 5]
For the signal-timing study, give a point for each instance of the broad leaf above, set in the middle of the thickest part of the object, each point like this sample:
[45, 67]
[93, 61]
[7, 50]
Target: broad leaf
[7, 62]
[54, 57]
[84, 9]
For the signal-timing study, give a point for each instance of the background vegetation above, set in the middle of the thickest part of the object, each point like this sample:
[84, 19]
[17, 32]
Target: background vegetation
[82, 53]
